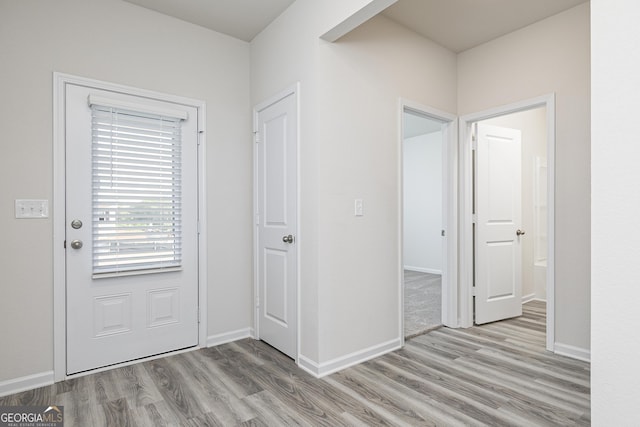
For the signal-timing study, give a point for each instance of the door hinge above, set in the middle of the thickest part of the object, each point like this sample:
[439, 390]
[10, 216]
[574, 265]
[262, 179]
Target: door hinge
[473, 291]
[64, 244]
[199, 318]
[256, 136]
[198, 227]
[200, 134]
[257, 219]
[474, 137]
[257, 302]
[442, 233]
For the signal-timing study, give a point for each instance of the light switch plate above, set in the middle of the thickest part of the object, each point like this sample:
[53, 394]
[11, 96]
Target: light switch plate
[358, 207]
[32, 208]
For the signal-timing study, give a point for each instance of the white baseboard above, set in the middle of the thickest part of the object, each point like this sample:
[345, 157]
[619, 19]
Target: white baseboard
[308, 365]
[573, 352]
[422, 270]
[228, 337]
[28, 382]
[532, 297]
[340, 363]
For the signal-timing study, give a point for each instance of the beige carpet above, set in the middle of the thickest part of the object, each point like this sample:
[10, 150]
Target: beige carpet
[422, 302]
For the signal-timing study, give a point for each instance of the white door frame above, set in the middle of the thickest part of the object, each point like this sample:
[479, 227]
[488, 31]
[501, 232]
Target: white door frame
[466, 207]
[60, 80]
[450, 208]
[295, 91]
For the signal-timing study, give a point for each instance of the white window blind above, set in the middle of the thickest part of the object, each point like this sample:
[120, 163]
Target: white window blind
[136, 196]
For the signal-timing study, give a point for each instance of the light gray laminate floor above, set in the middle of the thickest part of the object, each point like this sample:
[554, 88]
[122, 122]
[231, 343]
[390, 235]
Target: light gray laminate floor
[422, 302]
[497, 374]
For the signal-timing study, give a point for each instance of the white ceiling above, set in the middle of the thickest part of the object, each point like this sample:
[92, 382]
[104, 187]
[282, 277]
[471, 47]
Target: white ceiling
[242, 19]
[455, 24]
[462, 24]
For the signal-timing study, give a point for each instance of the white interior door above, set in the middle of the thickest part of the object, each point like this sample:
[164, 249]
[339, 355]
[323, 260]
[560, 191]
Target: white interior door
[276, 204]
[498, 255]
[131, 227]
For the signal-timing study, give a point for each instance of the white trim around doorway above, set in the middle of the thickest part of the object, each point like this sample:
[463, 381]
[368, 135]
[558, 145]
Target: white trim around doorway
[466, 209]
[60, 80]
[450, 217]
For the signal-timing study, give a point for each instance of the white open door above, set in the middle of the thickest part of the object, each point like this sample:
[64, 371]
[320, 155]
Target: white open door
[276, 212]
[131, 227]
[498, 255]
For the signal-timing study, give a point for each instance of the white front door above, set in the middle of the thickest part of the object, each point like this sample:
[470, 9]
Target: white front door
[498, 255]
[276, 211]
[131, 227]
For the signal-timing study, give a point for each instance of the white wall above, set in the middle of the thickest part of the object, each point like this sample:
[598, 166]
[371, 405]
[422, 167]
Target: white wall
[550, 56]
[532, 124]
[363, 76]
[615, 203]
[281, 55]
[121, 43]
[422, 200]
[350, 149]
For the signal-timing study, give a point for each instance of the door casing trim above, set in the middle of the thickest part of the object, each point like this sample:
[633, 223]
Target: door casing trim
[60, 80]
[466, 193]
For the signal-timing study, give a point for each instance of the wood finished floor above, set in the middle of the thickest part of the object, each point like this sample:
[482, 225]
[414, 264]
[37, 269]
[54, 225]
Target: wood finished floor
[497, 374]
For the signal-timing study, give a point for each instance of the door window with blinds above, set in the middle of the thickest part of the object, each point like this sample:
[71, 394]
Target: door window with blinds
[136, 189]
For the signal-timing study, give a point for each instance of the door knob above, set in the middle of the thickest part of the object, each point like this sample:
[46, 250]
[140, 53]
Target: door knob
[287, 239]
[519, 233]
[76, 244]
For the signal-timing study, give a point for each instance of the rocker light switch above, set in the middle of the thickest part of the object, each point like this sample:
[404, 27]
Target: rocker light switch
[30, 209]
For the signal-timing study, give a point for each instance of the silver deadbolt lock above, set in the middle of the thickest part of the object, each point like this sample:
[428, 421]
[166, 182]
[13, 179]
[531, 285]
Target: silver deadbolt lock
[520, 233]
[76, 224]
[76, 244]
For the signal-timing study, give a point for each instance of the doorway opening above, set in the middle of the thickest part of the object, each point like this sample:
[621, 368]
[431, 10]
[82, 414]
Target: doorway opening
[508, 212]
[422, 148]
[428, 221]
